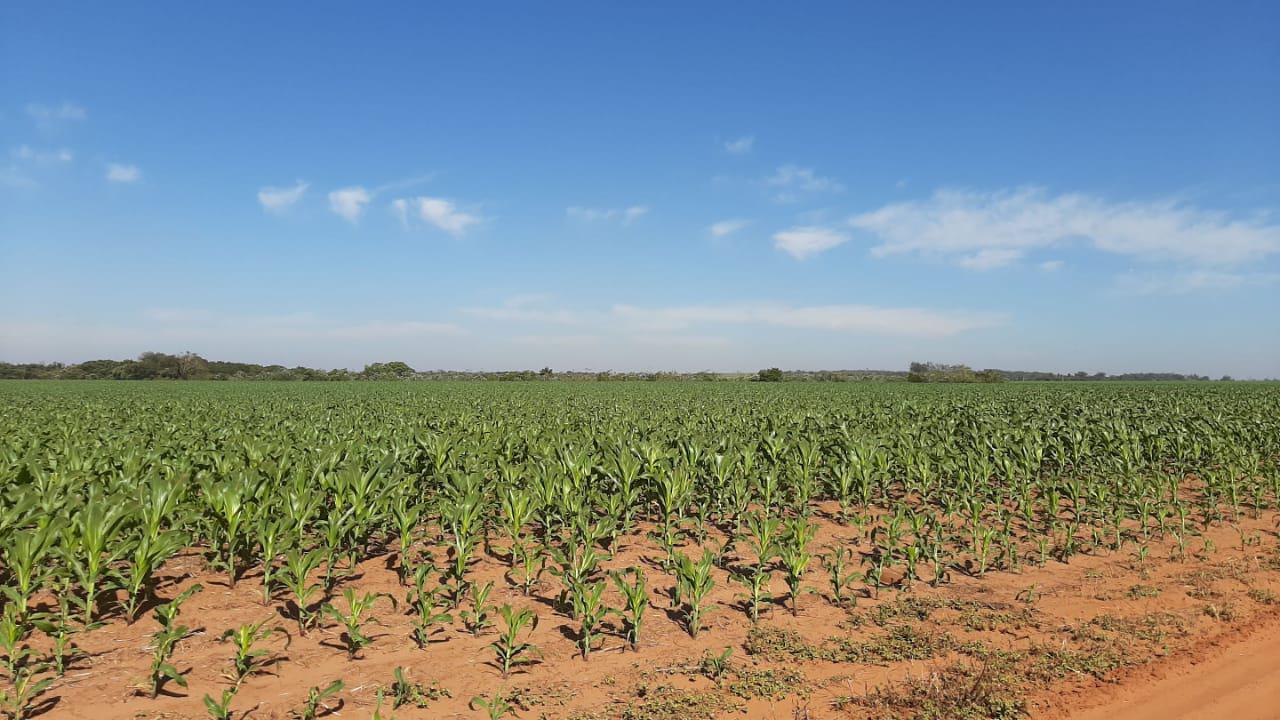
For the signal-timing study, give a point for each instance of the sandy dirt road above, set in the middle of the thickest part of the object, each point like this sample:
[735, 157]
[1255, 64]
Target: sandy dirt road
[1240, 681]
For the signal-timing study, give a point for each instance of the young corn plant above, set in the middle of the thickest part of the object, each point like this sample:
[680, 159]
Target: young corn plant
[61, 627]
[425, 607]
[518, 508]
[165, 641]
[408, 515]
[297, 571]
[148, 554]
[511, 652]
[24, 561]
[755, 580]
[319, 702]
[531, 562]
[479, 617]
[15, 628]
[408, 692]
[220, 709]
[695, 582]
[89, 547]
[841, 574]
[227, 500]
[356, 617]
[271, 537]
[590, 610]
[495, 707]
[635, 595]
[249, 659]
[21, 700]
[796, 557]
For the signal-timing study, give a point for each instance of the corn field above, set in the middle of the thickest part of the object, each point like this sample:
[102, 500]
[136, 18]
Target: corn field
[290, 490]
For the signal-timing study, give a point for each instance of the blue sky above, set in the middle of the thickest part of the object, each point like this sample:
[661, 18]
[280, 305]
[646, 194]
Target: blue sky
[658, 186]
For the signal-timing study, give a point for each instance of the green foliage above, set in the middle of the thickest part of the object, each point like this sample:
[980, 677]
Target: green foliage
[355, 617]
[250, 659]
[316, 701]
[769, 375]
[635, 595]
[304, 486]
[511, 651]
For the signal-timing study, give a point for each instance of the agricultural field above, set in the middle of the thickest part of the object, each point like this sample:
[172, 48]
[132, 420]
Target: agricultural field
[642, 551]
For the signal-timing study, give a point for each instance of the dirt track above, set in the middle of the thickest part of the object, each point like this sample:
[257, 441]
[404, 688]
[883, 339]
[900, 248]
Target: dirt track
[1240, 681]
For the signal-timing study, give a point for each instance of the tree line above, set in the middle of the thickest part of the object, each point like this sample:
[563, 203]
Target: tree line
[190, 366]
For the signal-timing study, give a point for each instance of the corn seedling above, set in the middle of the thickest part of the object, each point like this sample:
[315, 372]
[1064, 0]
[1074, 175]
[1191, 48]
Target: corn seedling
[511, 652]
[318, 700]
[250, 659]
[355, 617]
[635, 595]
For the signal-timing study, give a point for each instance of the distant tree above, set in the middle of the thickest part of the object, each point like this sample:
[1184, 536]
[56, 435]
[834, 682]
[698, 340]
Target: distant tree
[769, 375]
[386, 371]
[190, 366]
[546, 372]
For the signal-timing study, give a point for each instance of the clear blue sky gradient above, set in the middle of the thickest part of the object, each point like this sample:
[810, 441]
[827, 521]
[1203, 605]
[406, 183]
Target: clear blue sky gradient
[1021, 185]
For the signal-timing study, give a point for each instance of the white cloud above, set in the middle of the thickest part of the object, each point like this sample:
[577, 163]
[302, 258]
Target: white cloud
[1051, 265]
[28, 163]
[28, 154]
[740, 146]
[725, 228]
[1182, 283]
[533, 308]
[349, 202]
[47, 115]
[632, 321]
[294, 326]
[400, 207]
[791, 180]
[279, 199]
[807, 240]
[910, 322]
[625, 215]
[120, 173]
[960, 224]
[990, 258]
[445, 215]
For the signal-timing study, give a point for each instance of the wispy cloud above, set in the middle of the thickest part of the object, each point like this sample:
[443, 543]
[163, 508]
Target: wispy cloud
[625, 215]
[349, 202]
[790, 181]
[279, 199]
[725, 228]
[292, 326]
[1182, 283]
[445, 215]
[1051, 265]
[631, 320]
[27, 163]
[121, 173]
[28, 154]
[990, 258]
[977, 229]
[274, 338]
[48, 116]
[532, 308]
[868, 319]
[808, 240]
[400, 206]
[740, 146]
